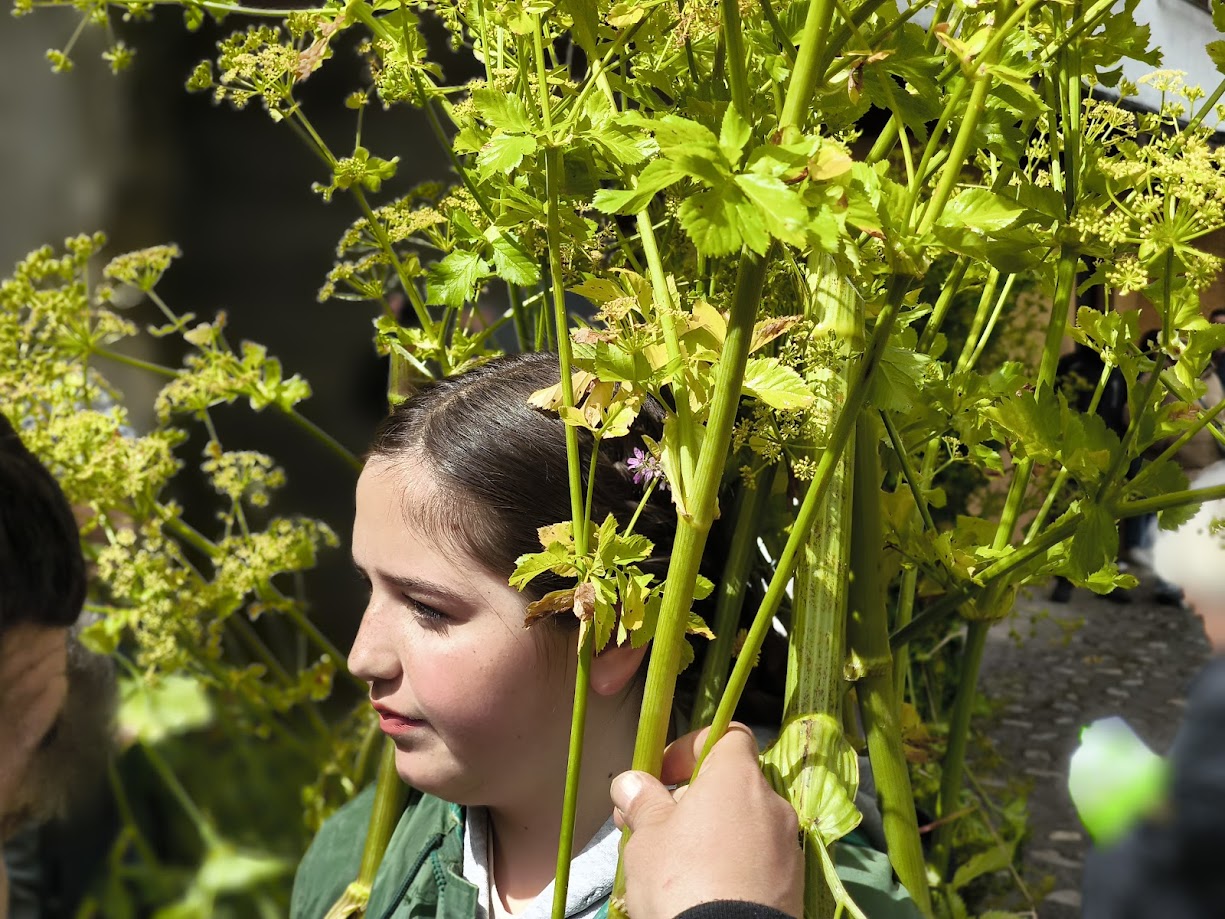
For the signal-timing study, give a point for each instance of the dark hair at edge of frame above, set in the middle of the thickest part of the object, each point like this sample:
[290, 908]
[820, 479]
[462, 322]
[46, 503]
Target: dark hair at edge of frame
[499, 466]
[42, 571]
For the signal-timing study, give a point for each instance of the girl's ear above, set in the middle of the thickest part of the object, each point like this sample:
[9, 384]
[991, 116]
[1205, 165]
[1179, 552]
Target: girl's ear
[614, 667]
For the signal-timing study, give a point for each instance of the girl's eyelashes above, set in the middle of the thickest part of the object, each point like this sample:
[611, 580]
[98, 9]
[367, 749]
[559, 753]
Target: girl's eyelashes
[426, 615]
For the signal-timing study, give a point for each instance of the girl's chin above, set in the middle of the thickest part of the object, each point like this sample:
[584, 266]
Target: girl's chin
[425, 774]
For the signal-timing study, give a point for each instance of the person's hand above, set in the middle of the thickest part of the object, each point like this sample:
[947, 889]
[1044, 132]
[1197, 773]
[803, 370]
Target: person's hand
[727, 836]
[33, 684]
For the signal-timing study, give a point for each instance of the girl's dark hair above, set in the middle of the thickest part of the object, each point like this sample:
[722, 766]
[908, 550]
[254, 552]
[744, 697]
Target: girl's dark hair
[498, 465]
[42, 572]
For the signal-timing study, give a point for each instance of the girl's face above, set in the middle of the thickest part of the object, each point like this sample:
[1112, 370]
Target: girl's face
[478, 712]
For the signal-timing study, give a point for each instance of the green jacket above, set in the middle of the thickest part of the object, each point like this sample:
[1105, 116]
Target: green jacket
[421, 874]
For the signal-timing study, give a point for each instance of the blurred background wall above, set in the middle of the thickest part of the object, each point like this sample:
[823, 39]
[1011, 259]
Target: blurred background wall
[137, 156]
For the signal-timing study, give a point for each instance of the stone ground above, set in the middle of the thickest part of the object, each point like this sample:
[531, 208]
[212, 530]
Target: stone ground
[1053, 668]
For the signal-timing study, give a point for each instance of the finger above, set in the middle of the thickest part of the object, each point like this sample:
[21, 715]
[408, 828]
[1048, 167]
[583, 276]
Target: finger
[640, 799]
[681, 756]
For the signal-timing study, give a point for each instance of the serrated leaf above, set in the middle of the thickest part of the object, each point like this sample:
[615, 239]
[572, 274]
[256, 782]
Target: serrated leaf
[452, 281]
[981, 210]
[734, 133]
[503, 110]
[556, 558]
[503, 153]
[895, 387]
[781, 209]
[710, 219]
[657, 176]
[1216, 51]
[776, 385]
[512, 262]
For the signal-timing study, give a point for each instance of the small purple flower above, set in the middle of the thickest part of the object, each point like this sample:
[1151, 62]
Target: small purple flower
[646, 467]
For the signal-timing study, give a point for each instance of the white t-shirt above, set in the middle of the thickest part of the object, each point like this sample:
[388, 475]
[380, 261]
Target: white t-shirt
[591, 872]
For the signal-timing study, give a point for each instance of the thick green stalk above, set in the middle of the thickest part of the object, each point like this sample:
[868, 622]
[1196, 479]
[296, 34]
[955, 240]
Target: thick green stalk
[816, 647]
[807, 70]
[750, 502]
[805, 517]
[868, 640]
[388, 805]
[737, 76]
[694, 528]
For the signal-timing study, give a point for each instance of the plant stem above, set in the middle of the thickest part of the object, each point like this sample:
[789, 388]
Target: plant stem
[750, 503]
[868, 639]
[816, 646]
[807, 71]
[733, 37]
[959, 734]
[388, 805]
[1164, 502]
[574, 766]
[129, 361]
[553, 177]
[694, 528]
[787, 560]
[950, 289]
[323, 437]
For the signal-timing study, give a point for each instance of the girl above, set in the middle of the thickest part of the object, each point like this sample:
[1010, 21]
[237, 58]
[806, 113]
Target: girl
[457, 483]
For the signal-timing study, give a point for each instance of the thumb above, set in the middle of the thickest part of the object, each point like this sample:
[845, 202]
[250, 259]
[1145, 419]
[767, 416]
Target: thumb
[640, 799]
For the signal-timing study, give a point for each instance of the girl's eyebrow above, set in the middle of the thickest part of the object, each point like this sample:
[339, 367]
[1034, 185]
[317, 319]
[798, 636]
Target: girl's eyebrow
[412, 585]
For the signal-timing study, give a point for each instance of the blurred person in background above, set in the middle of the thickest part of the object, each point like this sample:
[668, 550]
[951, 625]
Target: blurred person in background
[56, 698]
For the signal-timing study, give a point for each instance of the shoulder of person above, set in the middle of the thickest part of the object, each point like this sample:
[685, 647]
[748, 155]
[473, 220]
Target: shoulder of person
[334, 857]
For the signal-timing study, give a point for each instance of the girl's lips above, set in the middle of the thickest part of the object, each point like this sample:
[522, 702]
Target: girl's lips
[396, 724]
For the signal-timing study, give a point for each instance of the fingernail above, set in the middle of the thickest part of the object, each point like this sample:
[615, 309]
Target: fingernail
[625, 788]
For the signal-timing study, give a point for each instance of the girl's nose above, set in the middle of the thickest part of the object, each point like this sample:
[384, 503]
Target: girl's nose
[373, 657]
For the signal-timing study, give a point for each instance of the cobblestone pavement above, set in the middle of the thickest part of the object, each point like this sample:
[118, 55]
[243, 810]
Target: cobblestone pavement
[1051, 669]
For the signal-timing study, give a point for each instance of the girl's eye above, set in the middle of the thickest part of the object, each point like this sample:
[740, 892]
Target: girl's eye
[426, 615]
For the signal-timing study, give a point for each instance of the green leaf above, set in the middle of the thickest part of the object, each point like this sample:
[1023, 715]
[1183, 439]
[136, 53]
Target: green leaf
[734, 133]
[657, 176]
[816, 769]
[503, 110]
[585, 15]
[896, 385]
[1218, 15]
[1216, 51]
[997, 858]
[710, 218]
[229, 870]
[1095, 543]
[982, 210]
[503, 153]
[778, 386]
[452, 281]
[558, 558]
[781, 209]
[152, 712]
[512, 262]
